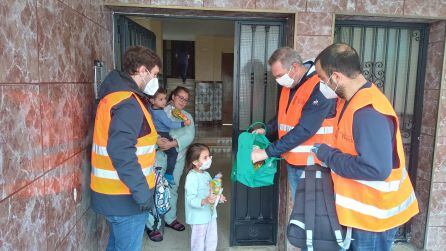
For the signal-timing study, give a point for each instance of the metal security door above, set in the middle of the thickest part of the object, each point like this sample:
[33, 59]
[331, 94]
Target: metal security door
[129, 33]
[254, 210]
[393, 56]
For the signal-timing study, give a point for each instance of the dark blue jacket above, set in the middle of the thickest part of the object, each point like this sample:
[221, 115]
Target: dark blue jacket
[374, 135]
[317, 108]
[126, 126]
[162, 122]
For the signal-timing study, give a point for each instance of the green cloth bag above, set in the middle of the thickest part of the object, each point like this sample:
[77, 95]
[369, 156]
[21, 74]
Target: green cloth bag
[243, 169]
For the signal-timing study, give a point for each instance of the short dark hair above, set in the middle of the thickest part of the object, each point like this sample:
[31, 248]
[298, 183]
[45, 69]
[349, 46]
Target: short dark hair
[137, 56]
[160, 91]
[341, 58]
[286, 56]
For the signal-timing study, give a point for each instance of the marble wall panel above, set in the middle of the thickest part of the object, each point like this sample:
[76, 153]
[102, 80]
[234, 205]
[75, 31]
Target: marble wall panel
[229, 4]
[58, 123]
[425, 157]
[102, 232]
[105, 49]
[182, 3]
[86, 232]
[23, 217]
[394, 7]
[18, 42]
[20, 139]
[127, 1]
[70, 242]
[435, 53]
[314, 23]
[60, 43]
[265, 4]
[436, 239]
[310, 46]
[82, 183]
[442, 115]
[419, 221]
[60, 202]
[80, 6]
[431, 8]
[437, 32]
[430, 112]
[437, 210]
[440, 161]
[330, 5]
[290, 5]
[82, 103]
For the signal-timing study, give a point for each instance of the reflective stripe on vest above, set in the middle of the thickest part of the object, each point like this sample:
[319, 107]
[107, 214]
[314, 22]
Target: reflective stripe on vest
[321, 131]
[289, 114]
[113, 175]
[140, 150]
[372, 205]
[374, 211]
[385, 186]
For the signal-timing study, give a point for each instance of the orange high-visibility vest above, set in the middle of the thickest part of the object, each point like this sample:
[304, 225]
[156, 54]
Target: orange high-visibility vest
[288, 118]
[104, 178]
[372, 205]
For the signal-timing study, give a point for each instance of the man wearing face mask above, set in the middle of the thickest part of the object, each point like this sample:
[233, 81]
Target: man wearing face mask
[305, 115]
[374, 195]
[123, 151]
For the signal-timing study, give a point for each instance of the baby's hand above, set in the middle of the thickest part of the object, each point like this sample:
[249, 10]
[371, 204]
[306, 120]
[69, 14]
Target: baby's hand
[187, 122]
[222, 199]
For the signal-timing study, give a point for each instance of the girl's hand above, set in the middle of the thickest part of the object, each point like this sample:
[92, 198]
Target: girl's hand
[222, 199]
[208, 200]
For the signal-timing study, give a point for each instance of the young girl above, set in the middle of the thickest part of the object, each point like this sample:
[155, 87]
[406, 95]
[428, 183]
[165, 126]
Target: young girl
[199, 199]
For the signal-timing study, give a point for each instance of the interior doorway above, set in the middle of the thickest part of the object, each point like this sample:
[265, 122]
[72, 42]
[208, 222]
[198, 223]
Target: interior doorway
[230, 69]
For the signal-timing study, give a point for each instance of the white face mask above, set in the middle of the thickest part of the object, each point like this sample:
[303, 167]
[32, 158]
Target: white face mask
[326, 90]
[207, 164]
[151, 86]
[285, 80]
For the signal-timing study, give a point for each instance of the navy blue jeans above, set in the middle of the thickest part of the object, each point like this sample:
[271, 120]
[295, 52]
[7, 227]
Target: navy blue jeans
[294, 174]
[126, 232]
[372, 241]
[171, 153]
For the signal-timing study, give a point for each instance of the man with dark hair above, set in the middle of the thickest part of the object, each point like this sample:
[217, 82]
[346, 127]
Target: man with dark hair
[123, 151]
[373, 191]
[305, 115]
